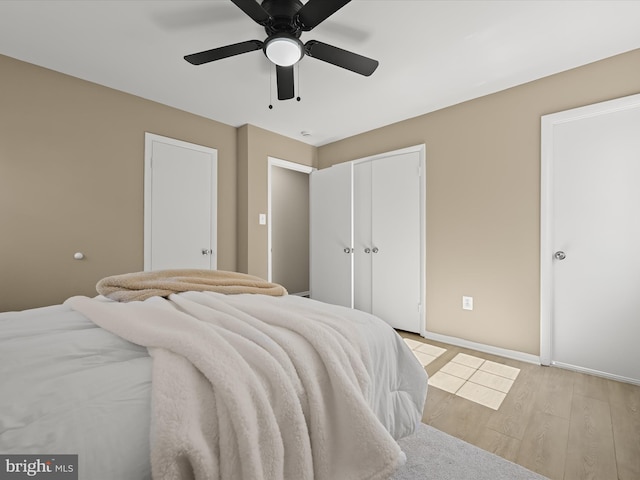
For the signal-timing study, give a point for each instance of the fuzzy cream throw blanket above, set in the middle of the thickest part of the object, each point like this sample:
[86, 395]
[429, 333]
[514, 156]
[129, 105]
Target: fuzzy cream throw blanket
[137, 286]
[245, 389]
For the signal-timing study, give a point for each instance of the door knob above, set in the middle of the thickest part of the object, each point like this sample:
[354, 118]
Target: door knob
[206, 251]
[375, 250]
[367, 250]
[560, 255]
[347, 250]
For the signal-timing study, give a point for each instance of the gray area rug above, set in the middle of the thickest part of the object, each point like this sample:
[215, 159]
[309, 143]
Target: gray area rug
[435, 455]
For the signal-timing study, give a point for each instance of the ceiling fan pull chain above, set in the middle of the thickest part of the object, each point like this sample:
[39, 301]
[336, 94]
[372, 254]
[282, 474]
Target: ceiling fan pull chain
[271, 73]
[297, 67]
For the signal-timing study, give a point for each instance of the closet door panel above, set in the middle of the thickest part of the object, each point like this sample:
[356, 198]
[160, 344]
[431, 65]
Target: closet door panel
[395, 240]
[362, 236]
[331, 258]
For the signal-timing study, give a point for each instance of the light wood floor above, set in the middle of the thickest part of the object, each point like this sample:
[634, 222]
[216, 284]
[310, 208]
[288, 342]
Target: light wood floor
[562, 424]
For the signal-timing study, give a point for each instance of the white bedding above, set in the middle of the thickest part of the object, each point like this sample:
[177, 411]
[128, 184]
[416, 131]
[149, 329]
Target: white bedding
[69, 386]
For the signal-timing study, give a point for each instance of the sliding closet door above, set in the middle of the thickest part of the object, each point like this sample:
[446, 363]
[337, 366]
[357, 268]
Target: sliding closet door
[396, 241]
[331, 259]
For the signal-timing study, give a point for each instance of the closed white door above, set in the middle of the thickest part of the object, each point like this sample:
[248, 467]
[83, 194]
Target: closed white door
[388, 240]
[362, 236]
[180, 205]
[591, 239]
[396, 241]
[331, 241]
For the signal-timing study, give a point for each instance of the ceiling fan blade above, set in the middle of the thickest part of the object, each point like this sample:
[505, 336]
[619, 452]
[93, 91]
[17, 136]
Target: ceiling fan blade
[315, 12]
[254, 10]
[285, 80]
[341, 58]
[223, 52]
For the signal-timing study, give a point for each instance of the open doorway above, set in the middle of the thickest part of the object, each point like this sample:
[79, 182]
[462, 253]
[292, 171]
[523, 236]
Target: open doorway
[288, 225]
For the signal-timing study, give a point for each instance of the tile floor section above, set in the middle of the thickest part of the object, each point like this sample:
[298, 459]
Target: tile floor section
[424, 352]
[476, 379]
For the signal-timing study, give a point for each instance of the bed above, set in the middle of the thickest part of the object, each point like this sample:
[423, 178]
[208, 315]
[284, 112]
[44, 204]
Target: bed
[207, 383]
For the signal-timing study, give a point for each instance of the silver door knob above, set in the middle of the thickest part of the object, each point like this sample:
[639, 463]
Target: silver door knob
[347, 250]
[375, 250]
[560, 255]
[367, 250]
[206, 251]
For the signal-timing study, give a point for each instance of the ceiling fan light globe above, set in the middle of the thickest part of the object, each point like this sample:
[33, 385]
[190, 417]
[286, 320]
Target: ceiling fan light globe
[283, 50]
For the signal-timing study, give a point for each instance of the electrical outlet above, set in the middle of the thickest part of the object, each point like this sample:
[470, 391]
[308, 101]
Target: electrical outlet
[262, 219]
[467, 303]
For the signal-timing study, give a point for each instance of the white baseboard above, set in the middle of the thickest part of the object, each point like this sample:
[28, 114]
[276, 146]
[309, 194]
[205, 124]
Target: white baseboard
[481, 347]
[597, 373]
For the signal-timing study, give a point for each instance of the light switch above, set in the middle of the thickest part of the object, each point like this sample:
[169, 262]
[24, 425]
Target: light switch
[262, 219]
[467, 303]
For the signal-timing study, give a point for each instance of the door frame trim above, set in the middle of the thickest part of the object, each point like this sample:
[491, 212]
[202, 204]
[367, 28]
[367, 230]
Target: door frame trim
[277, 162]
[547, 124]
[149, 138]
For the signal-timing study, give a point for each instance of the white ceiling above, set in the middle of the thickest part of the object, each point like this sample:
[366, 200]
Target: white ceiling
[432, 54]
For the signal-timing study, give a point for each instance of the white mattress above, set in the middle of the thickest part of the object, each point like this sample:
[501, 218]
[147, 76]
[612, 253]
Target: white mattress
[70, 387]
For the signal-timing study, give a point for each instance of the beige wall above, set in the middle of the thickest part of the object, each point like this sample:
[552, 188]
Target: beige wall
[255, 145]
[71, 179]
[483, 197]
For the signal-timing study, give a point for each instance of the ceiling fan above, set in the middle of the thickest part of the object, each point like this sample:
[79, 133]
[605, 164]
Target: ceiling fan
[284, 21]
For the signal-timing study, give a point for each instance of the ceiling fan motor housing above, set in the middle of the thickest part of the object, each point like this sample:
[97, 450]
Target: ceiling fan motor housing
[283, 17]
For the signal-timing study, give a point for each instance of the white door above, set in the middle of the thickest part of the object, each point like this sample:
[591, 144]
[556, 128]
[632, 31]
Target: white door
[591, 239]
[395, 241]
[362, 236]
[387, 239]
[331, 259]
[180, 205]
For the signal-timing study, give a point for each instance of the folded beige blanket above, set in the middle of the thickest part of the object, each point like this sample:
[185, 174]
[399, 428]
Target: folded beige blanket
[139, 286]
